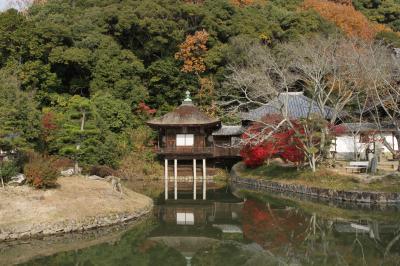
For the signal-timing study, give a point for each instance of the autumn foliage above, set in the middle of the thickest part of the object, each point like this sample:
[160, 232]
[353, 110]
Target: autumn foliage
[239, 3]
[192, 51]
[41, 171]
[49, 127]
[346, 17]
[48, 123]
[263, 141]
[342, 2]
[283, 143]
[145, 109]
[244, 3]
[272, 228]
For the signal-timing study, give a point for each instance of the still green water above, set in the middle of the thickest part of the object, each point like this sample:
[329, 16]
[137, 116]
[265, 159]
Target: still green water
[261, 229]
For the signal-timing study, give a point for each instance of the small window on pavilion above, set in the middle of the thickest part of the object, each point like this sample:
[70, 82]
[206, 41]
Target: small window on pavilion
[184, 139]
[185, 218]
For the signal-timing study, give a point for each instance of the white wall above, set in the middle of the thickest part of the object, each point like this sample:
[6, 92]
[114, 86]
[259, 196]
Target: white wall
[390, 140]
[347, 144]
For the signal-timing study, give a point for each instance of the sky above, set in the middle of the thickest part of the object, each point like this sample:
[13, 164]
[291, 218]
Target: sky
[3, 4]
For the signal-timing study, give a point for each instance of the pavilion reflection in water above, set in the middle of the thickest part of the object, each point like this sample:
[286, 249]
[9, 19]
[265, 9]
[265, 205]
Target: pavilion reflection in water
[189, 225]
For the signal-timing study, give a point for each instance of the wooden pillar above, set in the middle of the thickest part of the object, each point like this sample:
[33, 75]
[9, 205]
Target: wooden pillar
[204, 179]
[194, 179]
[166, 178]
[175, 179]
[158, 139]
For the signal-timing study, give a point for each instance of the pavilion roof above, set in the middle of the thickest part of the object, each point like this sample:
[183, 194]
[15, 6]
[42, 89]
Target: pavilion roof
[187, 114]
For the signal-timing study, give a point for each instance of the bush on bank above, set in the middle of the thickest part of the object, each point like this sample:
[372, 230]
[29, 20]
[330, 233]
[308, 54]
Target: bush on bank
[41, 171]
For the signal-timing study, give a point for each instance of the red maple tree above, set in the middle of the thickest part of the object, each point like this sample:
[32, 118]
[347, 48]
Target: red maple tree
[48, 128]
[264, 140]
[284, 143]
[145, 109]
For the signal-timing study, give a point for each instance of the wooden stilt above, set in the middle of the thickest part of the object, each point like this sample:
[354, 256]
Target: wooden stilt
[194, 179]
[204, 179]
[166, 179]
[175, 179]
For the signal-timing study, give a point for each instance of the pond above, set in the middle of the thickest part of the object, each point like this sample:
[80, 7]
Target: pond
[257, 229]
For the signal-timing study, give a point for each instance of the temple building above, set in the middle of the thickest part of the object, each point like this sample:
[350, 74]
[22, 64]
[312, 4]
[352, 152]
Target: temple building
[296, 104]
[357, 140]
[187, 135]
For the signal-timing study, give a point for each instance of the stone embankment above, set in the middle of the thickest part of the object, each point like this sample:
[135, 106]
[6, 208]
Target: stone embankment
[78, 204]
[316, 192]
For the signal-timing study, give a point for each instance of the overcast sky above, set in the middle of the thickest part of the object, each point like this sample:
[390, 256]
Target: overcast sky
[3, 4]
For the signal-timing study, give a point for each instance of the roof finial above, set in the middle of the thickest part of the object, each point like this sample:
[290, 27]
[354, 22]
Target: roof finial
[188, 97]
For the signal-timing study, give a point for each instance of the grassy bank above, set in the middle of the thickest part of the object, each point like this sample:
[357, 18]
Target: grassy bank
[323, 178]
[76, 204]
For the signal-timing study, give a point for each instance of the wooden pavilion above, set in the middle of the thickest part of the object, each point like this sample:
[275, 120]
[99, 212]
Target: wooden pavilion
[187, 134]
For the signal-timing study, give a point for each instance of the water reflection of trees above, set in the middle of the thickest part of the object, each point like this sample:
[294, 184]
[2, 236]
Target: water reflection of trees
[275, 232]
[132, 249]
[309, 239]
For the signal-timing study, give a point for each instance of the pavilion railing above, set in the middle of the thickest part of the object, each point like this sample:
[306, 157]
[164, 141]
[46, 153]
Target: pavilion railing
[215, 151]
[185, 150]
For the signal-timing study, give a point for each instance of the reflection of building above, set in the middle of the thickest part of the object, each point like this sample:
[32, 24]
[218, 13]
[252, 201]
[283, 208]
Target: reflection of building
[190, 226]
[203, 214]
[374, 229]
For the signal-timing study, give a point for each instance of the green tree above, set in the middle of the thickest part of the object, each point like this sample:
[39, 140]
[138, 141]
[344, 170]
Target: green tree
[77, 137]
[19, 117]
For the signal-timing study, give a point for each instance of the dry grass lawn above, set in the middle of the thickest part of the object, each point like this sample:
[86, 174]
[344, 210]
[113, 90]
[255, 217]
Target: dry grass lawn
[323, 177]
[76, 199]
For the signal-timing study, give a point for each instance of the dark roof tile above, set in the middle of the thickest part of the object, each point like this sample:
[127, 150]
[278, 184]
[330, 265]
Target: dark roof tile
[298, 105]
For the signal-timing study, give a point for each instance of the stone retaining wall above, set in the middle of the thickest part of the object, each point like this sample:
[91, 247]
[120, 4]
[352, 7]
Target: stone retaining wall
[75, 225]
[324, 193]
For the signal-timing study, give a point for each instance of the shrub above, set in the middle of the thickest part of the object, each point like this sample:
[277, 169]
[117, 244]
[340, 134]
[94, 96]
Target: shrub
[102, 170]
[41, 172]
[8, 169]
[62, 163]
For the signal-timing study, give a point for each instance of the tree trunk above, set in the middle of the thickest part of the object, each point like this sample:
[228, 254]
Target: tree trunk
[76, 168]
[355, 150]
[312, 162]
[83, 120]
